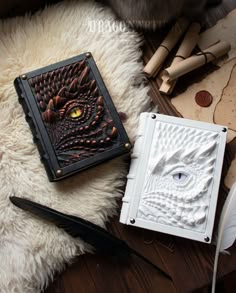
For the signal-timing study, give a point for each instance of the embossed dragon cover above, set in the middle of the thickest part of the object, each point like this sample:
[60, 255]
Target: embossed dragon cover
[174, 176]
[71, 115]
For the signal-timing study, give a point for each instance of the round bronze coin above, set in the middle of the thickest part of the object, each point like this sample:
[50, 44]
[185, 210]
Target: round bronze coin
[203, 98]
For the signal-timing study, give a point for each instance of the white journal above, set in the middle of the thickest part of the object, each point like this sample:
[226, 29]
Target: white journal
[174, 177]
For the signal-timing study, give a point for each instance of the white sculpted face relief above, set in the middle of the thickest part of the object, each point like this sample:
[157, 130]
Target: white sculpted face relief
[178, 182]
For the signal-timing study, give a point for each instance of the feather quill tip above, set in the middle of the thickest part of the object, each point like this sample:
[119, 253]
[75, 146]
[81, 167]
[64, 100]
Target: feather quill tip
[90, 233]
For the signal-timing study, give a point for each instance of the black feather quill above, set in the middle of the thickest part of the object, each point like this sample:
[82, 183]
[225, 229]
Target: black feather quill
[94, 235]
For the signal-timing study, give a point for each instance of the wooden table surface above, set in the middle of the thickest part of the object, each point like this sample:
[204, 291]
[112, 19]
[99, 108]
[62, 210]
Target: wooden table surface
[190, 263]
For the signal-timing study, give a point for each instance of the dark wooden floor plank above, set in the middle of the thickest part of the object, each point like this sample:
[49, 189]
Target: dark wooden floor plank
[74, 277]
[141, 240]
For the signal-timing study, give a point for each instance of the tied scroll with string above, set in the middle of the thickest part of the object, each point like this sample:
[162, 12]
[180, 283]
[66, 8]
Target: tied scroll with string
[183, 63]
[199, 59]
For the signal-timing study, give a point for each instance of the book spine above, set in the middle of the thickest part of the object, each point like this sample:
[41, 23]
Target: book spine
[135, 159]
[33, 127]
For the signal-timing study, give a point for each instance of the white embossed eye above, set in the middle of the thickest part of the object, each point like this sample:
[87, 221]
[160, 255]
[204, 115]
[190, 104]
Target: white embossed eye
[180, 177]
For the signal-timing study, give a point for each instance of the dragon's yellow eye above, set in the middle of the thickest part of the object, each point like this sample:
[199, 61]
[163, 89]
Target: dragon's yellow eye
[75, 113]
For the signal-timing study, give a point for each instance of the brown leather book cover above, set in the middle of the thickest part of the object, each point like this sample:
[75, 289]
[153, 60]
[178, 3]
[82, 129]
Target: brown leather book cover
[71, 115]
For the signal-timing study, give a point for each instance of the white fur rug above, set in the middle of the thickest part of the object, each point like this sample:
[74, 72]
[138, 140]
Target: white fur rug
[31, 251]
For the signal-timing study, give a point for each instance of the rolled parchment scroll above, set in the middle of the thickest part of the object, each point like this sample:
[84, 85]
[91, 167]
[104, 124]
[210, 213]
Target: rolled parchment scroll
[154, 65]
[196, 61]
[188, 44]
